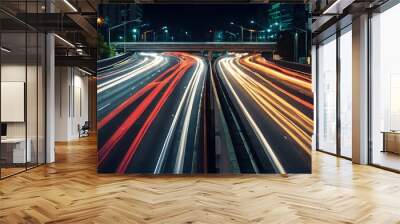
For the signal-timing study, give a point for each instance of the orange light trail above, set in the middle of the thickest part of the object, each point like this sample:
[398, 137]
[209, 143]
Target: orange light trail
[287, 93]
[294, 81]
[295, 123]
[259, 59]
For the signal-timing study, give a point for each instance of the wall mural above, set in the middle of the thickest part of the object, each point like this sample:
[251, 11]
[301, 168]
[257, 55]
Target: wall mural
[192, 89]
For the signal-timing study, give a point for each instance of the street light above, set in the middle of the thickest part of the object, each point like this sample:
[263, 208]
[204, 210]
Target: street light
[145, 34]
[100, 21]
[119, 25]
[257, 24]
[251, 34]
[259, 36]
[134, 31]
[254, 22]
[166, 34]
[241, 28]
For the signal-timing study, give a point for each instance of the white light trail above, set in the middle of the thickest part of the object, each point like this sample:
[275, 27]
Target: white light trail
[116, 81]
[122, 70]
[264, 143]
[199, 71]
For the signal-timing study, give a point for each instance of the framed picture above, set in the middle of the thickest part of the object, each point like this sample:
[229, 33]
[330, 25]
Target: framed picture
[204, 88]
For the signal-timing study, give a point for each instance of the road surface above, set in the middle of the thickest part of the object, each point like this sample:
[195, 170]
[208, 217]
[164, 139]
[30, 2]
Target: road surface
[271, 108]
[149, 113]
[154, 115]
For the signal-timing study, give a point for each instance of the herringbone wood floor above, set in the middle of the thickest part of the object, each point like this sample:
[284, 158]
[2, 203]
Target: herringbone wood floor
[70, 191]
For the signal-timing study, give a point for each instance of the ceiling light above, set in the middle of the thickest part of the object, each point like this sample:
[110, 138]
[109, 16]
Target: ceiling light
[64, 40]
[86, 72]
[327, 11]
[70, 5]
[5, 50]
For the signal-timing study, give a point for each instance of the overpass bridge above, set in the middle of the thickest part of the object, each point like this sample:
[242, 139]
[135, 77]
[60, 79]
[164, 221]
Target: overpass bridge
[196, 46]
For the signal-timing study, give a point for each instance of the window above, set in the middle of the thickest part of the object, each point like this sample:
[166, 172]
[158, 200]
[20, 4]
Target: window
[346, 92]
[22, 76]
[385, 89]
[327, 96]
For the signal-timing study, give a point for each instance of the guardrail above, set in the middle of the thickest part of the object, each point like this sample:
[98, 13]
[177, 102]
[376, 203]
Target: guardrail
[107, 62]
[197, 46]
[304, 68]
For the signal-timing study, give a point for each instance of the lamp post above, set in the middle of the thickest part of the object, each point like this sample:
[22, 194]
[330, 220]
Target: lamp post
[145, 34]
[119, 25]
[260, 36]
[134, 31]
[241, 28]
[255, 23]
[251, 34]
[186, 35]
[166, 34]
[165, 29]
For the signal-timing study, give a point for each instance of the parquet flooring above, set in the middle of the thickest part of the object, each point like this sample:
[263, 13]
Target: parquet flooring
[70, 191]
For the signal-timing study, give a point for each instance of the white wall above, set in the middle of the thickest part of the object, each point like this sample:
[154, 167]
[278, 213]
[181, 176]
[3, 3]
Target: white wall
[71, 102]
[346, 75]
[33, 127]
[12, 73]
[61, 103]
[327, 96]
[15, 73]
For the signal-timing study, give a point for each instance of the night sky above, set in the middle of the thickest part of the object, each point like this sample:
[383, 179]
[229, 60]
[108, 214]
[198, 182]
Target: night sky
[196, 19]
[210, 22]
[200, 19]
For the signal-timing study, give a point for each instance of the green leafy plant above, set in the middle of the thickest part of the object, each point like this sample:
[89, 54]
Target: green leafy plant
[103, 49]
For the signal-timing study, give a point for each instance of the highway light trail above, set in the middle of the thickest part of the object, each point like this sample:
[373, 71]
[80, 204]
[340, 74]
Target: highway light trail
[295, 123]
[142, 67]
[191, 92]
[115, 66]
[223, 63]
[195, 83]
[152, 110]
[147, 112]
[273, 105]
[133, 98]
[122, 67]
[287, 78]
